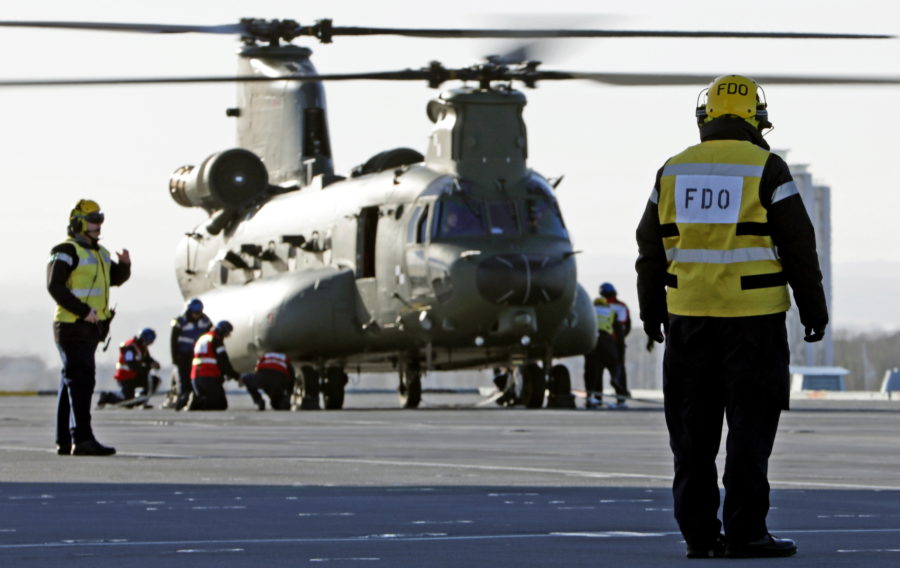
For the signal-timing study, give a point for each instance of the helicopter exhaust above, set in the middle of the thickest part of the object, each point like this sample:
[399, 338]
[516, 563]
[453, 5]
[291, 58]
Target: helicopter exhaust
[226, 180]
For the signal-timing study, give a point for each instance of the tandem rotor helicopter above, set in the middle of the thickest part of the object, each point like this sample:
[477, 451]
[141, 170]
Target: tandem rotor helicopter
[455, 258]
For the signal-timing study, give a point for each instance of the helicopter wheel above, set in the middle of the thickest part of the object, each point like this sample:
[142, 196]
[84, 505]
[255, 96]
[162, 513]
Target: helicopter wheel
[533, 385]
[333, 388]
[410, 386]
[306, 390]
[559, 388]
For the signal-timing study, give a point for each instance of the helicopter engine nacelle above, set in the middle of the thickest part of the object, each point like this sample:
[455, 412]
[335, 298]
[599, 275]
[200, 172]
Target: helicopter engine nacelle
[225, 180]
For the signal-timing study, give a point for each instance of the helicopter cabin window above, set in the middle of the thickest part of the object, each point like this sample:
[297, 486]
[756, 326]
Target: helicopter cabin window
[543, 218]
[504, 218]
[458, 218]
[418, 226]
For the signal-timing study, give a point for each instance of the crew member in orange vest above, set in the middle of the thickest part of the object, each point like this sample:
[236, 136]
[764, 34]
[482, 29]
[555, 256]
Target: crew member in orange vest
[275, 376]
[133, 371]
[210, 368]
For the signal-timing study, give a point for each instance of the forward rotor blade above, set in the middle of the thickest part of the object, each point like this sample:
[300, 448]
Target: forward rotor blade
[436, 75]
[407, 75]
[662, 79]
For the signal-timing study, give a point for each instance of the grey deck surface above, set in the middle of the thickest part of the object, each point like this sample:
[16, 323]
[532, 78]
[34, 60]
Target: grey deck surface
[451, 484]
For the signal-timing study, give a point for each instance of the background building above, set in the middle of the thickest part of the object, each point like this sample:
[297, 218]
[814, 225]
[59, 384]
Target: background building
[817, 199]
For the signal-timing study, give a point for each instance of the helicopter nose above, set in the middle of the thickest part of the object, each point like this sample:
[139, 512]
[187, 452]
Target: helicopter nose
[522, 279]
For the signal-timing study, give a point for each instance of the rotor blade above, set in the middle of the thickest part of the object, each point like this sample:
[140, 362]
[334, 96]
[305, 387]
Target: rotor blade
[324, 31]
[406, 75]
[125, 27]
[663, 79]
[437, 74]
[567, 33]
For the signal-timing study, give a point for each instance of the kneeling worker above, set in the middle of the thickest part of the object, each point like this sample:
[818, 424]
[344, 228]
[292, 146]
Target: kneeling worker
[133, 372]
[275, 376]
[210, 368]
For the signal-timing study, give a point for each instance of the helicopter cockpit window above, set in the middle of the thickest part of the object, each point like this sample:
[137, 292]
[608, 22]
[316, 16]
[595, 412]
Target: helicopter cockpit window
[458, 218]
[543, 218]
[422, 226]
[504, 218]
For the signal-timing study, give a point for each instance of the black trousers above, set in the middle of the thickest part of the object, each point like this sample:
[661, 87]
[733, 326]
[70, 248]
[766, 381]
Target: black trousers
[209, 394]
[76, 387]
[183, 363]
[603, 357]
[736, 368]
[277, 386]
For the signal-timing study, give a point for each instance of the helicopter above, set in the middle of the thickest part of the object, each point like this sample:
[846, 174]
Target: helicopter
[455, 258]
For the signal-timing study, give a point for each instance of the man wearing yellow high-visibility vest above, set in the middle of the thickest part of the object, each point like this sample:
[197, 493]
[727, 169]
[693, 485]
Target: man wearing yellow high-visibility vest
[724, 232]
[79, 275]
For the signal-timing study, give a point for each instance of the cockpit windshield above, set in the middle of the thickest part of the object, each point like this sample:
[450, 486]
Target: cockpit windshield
[461, 216]
[454, 217]
[543, 218]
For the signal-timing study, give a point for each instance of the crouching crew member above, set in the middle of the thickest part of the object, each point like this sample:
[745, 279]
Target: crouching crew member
[274, 375]
[133, 371]
[211, 367]
[186, 329]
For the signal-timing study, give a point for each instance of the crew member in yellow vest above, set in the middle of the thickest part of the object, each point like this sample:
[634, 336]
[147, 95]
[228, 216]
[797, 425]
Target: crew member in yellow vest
[724, 232]
[619, 380]
[604, 357]
[79, 275]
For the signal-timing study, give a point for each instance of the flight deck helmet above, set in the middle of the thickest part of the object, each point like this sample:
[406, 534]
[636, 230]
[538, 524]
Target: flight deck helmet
[85, 211]
[733, 95]
[194, 306]
[224, 328]
[607, 289]
[147, 336]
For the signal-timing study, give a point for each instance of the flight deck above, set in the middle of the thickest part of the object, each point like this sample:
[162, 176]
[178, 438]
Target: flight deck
[453, 483]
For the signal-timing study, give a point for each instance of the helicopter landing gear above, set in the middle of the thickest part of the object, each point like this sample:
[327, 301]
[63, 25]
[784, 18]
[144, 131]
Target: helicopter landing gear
[534, 384]
[333, 383]
[410, 388]
[306, 390]
[559, 388]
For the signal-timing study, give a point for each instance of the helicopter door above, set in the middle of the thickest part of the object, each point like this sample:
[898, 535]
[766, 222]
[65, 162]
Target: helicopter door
[366, 233]
[416, 252]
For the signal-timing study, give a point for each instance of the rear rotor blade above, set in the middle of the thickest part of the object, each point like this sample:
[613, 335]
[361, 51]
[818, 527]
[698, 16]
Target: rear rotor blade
[230, 29]
[567, 33]
[269, 30]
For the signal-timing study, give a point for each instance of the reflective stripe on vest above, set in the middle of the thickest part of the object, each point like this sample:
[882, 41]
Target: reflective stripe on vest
[205, 363]
[124, 369]
[189, 331]
[721, 258]
[89, 282]
[274, 362]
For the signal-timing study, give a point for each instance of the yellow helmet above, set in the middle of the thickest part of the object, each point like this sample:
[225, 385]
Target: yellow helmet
[86, 210]
[734, 95]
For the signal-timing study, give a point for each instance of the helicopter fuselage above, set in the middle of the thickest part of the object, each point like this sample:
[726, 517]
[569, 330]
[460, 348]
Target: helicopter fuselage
[369, 270]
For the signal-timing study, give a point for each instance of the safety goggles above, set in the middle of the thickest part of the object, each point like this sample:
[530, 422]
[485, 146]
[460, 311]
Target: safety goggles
[95, 218]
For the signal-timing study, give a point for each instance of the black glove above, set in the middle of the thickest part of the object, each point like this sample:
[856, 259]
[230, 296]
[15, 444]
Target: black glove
[814, 333]
[654, 333]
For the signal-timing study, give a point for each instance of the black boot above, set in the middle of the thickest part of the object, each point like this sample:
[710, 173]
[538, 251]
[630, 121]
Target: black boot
[92, 448]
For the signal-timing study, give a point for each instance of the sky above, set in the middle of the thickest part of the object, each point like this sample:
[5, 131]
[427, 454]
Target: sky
[118, 145]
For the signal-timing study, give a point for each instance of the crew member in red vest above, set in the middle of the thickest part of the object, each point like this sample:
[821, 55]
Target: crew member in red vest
[133, 372]
[275, 376]
[210, 368]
